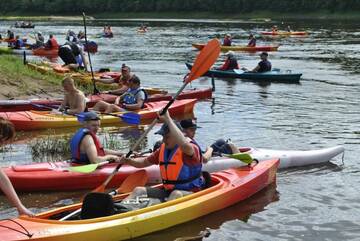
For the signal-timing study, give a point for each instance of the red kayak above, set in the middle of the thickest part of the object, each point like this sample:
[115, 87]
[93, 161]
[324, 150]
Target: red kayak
[39, 120]
[26, 105]
[45, 52]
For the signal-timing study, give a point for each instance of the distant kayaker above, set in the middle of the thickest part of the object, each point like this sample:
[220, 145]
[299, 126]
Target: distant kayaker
[85, 145]
[7, 133]
[81, 35]
[74, 100]
[51, 43]
[107, 32]
[10, 35]
[252, 41]
[123, 80]
[274, 29]
[19, 43]
[227, 40]
[264, 65]
[288, 29]
[72, 55]
[230, 62]
[40, 41]
[179, 161]
[133, 99]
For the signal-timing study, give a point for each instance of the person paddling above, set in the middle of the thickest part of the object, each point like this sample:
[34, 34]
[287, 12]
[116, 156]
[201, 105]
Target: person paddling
[263, 66]
[85, 145]
[230, 62]
[74, 100]
[252, 41]
[133, 99]
[179, 161]
[7, 133]
[227, 40]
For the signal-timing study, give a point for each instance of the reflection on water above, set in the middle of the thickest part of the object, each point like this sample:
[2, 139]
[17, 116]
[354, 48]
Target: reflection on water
[321, 111]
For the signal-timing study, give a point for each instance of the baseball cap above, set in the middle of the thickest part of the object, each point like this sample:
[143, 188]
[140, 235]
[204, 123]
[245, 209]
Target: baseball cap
[188, 123]
[165, 129]
[88, 116]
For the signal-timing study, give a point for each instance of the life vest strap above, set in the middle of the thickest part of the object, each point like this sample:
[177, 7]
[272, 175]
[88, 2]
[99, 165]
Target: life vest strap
[166, 163]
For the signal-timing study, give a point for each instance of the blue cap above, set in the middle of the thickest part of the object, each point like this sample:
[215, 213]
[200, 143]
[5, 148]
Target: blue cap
[89, 116]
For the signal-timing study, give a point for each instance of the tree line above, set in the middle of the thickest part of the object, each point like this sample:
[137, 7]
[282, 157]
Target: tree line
[44, 7]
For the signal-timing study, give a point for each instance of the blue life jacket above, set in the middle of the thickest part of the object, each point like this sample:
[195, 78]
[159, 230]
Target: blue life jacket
[82, 158]
[130, 96]
[19, 44]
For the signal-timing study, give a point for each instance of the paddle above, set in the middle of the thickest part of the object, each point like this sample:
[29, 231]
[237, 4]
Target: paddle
[96, 91]
[138, 178]
[205, 59]
[127, 117]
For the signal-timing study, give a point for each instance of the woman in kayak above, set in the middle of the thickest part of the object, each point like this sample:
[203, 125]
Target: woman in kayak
[252, 41]
[85, 145]
[133, 99]
[227, 40]
[123, 80]
[230, 62]
[179, 161]
[7, 132]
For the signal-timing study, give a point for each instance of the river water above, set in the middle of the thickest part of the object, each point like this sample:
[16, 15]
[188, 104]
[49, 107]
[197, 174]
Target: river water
[312, 203]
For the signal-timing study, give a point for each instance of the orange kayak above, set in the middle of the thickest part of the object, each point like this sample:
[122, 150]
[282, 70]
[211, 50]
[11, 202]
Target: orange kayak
[36, 120]
[227, 188]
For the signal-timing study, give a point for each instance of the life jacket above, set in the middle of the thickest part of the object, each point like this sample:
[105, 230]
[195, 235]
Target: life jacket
[265, 66]
[175, 173]
[54, 43]
[82, 158]
[130, 96]
[19, 44]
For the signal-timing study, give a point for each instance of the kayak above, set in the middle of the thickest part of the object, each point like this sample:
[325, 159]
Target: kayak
[36, 120]
[54, 176]
[154, 94]
[283, 33]
[227, 188]
[45, 52]
[275, 75]
[241, 48]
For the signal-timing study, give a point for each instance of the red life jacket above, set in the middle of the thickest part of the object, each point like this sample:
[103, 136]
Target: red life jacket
[54, 43]
[175, 173]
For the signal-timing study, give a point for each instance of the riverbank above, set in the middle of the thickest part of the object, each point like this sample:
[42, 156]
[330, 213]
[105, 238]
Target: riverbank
[17, 81]
[265, 16]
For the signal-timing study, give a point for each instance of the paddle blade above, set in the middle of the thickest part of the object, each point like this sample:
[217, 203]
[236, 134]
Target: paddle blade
[244, 157]
[84, 169]
[131, 118]
[136, 179]
[205, 59]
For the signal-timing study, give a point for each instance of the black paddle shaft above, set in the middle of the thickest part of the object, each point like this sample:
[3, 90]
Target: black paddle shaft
[96, 91]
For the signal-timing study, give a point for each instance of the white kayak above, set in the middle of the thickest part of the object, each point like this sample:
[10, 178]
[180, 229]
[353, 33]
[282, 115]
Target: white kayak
[287, 159]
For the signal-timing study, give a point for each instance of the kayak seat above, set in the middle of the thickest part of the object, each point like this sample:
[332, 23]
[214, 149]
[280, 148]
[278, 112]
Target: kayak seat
[97, 205]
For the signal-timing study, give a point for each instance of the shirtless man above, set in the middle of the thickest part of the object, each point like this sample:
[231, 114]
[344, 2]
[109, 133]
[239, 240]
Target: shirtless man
[74, 100]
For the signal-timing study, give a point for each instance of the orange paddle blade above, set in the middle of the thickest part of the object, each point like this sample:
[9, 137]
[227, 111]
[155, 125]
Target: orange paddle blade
[136, 179]
[205, 59]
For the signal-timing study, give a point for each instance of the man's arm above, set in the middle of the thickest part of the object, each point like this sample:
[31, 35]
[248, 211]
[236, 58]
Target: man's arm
[88, 145]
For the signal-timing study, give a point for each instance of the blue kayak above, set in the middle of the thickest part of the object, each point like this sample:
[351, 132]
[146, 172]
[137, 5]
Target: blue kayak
[273, 75]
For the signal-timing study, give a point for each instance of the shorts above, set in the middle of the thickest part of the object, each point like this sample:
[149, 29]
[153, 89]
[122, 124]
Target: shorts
[161, 193]
[67, 56]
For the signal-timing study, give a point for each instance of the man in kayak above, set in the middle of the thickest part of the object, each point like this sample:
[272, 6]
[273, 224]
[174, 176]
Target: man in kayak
[7, 132]
[230, 62]
[252, 41]
[72, 55]
[179, 161]
[227, 40]
[133, 99]
[39, 40]
[123, 80]
[19, 43]
[274, 29]
[51, 43]
[85, 145]
[264, 65]
[74, 100]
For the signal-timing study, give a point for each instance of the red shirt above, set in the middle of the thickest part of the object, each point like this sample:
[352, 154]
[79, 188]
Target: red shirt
[188, 160]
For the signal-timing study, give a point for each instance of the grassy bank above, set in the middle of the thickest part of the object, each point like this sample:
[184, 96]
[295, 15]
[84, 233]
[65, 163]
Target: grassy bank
[18, 81]
[258, 15]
